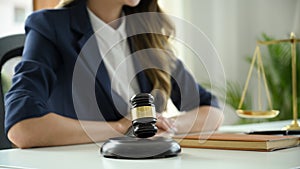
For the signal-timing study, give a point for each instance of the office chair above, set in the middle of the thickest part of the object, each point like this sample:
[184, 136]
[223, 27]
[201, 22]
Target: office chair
[10, 47]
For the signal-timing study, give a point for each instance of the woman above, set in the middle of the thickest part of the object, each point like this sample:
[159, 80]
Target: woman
[40, 106]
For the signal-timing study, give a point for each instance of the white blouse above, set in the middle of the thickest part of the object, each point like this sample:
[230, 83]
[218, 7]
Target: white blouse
[115, 53]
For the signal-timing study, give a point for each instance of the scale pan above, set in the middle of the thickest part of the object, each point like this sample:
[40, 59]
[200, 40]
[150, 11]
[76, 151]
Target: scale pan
[257, 114]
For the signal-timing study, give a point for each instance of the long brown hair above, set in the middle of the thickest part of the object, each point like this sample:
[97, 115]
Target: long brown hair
[63, 3]
[159, 23]
[163, 28]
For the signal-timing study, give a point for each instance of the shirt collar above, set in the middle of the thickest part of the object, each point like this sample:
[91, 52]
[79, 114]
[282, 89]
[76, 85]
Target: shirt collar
[99, 25]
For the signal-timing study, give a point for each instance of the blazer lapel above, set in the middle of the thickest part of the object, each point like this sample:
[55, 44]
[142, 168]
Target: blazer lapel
[87, 43]
[144, 83]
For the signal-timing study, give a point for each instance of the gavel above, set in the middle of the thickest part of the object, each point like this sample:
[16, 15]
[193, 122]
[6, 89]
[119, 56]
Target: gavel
[143, 115]
[136, 145]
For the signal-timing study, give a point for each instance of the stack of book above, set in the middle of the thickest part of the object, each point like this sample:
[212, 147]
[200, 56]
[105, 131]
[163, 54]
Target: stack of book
[233, 141]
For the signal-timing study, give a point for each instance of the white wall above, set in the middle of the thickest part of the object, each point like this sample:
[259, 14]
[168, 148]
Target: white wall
[233, 26]
[7, 16]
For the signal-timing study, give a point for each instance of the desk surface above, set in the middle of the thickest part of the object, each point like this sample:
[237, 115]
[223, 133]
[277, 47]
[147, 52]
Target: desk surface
[88, 156]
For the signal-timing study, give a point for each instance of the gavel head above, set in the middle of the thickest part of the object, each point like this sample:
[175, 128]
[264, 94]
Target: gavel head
[143, 115]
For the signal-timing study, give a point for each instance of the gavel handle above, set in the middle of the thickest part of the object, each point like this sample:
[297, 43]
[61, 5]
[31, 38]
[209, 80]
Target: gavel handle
[129, 132]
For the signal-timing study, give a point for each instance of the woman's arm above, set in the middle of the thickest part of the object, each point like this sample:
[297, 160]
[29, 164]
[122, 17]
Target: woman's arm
[54, 130]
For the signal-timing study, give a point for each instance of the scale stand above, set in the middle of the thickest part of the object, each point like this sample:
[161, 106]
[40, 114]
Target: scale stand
[294, 124]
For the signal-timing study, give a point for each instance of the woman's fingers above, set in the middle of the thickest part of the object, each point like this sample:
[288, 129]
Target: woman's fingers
[165, 124]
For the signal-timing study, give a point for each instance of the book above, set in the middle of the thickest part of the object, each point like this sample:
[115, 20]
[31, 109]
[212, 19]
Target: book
[232, 141]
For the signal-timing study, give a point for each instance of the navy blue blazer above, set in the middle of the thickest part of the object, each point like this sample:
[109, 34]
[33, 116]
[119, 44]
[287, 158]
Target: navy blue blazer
[43, 79]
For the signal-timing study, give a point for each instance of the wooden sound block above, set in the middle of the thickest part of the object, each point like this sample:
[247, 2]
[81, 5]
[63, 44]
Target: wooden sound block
[140, 148]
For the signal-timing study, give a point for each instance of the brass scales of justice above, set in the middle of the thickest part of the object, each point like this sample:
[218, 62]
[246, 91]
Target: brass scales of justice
[261, 75]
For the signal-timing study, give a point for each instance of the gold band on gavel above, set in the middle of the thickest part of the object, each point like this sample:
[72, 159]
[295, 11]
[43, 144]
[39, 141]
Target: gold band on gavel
[143, 111]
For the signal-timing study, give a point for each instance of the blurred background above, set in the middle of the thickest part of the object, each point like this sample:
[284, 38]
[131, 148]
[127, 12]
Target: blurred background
[232, 26]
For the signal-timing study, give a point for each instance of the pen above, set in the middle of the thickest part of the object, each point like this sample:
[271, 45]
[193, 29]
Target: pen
[274, 132]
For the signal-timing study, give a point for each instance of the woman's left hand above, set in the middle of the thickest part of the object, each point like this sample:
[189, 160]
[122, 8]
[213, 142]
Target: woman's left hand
[165, 124]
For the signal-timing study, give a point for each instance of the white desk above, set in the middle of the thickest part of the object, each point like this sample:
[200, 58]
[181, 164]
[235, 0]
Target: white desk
[88, 156]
